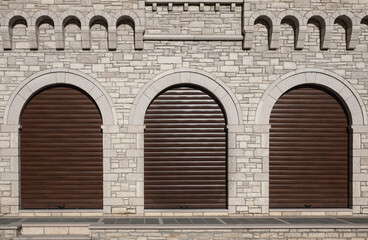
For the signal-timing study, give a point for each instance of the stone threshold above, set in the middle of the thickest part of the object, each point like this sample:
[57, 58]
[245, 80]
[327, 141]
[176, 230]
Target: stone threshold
[96, 223]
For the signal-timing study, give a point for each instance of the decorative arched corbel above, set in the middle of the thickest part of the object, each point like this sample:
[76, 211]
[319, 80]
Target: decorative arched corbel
[325, 27]
[87, 23]
[9, 21]
[65, 18]
[299, 24]
[273, 28]
[352, 28]
[36, 21]
[138, 25]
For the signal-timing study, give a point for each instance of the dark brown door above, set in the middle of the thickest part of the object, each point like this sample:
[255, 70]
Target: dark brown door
[309, 150]
[185, 151]
[61, 151]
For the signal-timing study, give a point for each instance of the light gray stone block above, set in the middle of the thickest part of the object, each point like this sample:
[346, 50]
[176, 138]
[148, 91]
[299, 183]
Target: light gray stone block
[302, 3]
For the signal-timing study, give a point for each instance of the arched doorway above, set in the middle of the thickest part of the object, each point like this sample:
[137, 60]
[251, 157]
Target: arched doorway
[185, 162]
[309, 150]
[61, 150]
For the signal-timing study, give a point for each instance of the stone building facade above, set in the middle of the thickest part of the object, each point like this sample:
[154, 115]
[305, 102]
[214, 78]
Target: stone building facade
[124, 53]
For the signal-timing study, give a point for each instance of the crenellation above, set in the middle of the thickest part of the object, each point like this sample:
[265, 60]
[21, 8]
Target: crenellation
[297, 18]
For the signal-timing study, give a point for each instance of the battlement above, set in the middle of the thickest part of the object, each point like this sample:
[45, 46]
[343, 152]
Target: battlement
[238, 14]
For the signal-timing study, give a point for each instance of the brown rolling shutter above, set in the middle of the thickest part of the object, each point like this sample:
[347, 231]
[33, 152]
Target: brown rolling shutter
[61, 151]
[309, 150]
[185, 151]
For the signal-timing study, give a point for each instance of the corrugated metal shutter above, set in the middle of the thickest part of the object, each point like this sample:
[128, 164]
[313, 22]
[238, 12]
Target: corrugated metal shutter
[61, 151]
[185, 151]
[309, 150]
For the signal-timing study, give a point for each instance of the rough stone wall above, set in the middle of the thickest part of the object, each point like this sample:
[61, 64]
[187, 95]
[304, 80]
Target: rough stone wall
[302, 234]
[123, 73]
[8, 234]
[192, 21]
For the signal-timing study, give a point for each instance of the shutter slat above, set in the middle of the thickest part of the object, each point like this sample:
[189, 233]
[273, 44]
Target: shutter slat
[61, 151]
[309, 149]
[185, 151]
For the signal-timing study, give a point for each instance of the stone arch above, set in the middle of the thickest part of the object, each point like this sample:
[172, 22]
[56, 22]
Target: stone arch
[132, 19]
[318, 14]
[88, 20]
[131, 15]
[174, 77]
[324, 78]
[92, 17]
[36, 21]
[40, 15]
[7, 28]
[65, 18]
[13, 16]
[299, 24]
[342, 89]
[181, 76]
[348, 21]
[71, 14]
[138, 27]
[87, 23]
[362, 18]
[273, 28]
[322, 19]
[46, 78]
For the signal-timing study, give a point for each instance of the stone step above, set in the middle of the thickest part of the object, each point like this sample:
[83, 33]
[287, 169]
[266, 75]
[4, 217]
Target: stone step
[53, 237]
[48, 229]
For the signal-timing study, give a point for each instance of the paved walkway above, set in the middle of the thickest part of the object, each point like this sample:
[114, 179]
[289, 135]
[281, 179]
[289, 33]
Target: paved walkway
[192, 222]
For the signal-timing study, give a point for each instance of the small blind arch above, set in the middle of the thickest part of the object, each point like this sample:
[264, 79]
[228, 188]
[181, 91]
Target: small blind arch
[310, 150]
[61, 150]
[185, 164]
